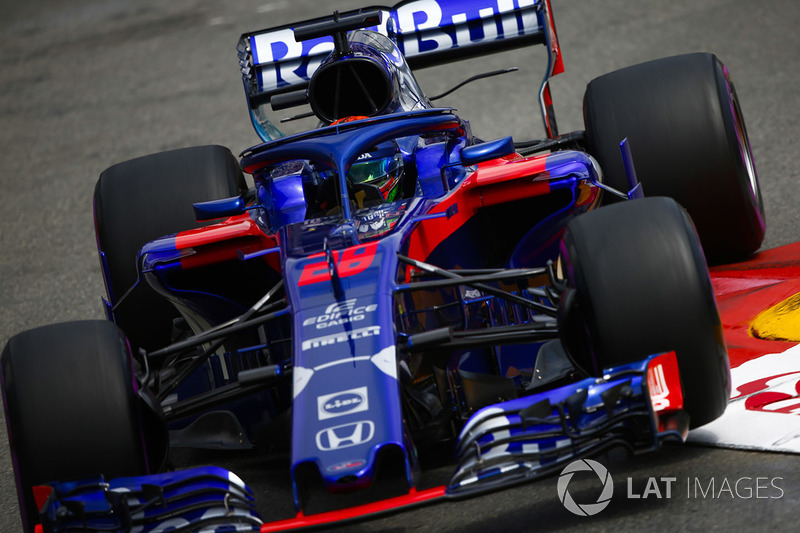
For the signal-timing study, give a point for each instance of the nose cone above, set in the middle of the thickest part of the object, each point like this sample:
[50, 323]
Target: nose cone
[347, 423]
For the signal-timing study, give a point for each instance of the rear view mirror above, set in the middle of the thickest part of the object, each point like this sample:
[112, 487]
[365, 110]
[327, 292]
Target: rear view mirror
[478, 153]
[222, 208]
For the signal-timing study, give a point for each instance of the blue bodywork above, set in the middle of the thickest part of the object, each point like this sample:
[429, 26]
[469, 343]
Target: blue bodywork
[374, 353]
[351, 357]
[208, 499]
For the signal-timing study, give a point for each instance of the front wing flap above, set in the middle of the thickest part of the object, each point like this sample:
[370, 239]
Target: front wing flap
[207, 499]
[533, 436]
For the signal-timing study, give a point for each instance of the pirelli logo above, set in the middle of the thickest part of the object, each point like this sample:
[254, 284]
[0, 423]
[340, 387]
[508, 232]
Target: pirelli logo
[344, 336]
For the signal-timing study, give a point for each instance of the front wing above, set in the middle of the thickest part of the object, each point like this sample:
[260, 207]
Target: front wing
[636, 406]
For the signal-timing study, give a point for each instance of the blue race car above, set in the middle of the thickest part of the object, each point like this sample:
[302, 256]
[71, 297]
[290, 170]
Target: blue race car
[391, 284]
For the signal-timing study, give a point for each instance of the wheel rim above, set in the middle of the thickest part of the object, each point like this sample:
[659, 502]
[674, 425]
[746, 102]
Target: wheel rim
[743, 142]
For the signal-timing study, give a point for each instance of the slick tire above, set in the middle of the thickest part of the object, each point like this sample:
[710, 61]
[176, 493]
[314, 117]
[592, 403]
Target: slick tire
[141, 200]
[688, 138]
[71, 407]
[639, 285]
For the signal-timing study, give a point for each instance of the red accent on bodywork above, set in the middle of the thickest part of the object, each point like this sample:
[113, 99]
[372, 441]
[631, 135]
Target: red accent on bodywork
[233, 228]
[223, 242]
[40, 494]
[510, 191]
[664, 383]
[432, 232]
[558, 65]
[745, 289]
[414, 497]
[349, 262]
[498, 181]
[548, 97]
[317, 271]
[348, 119]
[666, 393]
[504, 170]
[506, 181]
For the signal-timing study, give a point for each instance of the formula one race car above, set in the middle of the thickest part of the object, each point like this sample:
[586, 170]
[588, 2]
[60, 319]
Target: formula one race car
[391, 284]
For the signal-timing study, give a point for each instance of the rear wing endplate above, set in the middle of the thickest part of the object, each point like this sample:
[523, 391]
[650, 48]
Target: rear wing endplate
[428, 33]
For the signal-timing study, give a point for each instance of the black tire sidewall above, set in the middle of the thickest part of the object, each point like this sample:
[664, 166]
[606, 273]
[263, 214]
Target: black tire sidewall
[71, 407]
[146, 198]
[750, 205]
[678, 115]
[642, 287]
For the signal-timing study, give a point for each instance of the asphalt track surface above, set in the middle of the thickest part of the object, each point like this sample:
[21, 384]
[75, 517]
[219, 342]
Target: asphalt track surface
[87, 83]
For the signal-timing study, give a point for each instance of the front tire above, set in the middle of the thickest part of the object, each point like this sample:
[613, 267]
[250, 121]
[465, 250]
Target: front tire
[71, 407]
[689, 142]
[146, 198]
[639, 285]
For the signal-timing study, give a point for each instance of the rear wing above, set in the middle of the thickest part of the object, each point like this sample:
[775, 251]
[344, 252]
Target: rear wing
[427, 32]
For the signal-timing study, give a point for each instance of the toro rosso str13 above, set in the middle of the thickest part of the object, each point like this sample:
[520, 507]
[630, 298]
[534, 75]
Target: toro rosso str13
[391, 284]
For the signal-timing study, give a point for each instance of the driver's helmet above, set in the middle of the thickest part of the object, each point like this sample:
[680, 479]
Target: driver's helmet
[381, 171]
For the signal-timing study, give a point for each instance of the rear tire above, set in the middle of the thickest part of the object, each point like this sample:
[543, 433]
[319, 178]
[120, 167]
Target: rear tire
[639, 286]
[71, 407]
[141, 200]
[689, 142]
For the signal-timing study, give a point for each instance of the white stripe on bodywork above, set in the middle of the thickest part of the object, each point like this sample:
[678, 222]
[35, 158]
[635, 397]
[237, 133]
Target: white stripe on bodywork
[385, 360]
[301, 377]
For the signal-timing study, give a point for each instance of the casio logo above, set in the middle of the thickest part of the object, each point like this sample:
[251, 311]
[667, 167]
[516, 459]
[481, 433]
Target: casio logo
[340, 313]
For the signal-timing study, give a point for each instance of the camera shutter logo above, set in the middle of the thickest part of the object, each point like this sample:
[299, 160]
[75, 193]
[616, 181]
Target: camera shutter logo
[585, 509]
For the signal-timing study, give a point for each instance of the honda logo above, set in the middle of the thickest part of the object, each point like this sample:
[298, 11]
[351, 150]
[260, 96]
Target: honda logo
[346, 435]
